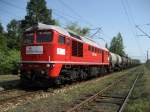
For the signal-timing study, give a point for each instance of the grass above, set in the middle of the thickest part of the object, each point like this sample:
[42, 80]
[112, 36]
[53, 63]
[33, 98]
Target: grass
[62, 100]
[119, 90]
[140, 98]
[9, 81]
[4, 78]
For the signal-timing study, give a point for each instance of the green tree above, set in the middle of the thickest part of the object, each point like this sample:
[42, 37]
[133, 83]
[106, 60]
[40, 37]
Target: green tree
[10, 62]
[1, 28]
[14, 34]
[113, 45]
[3, 46]
[9, 58]
[3, 43]
[77, 29]
[37, 12]
[117, 46]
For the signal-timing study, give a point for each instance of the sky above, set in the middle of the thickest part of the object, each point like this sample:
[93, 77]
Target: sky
[112, 16]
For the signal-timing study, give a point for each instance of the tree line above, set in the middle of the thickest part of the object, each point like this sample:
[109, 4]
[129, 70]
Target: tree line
[36, 11]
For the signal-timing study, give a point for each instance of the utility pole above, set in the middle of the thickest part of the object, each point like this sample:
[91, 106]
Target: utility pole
[147, 55]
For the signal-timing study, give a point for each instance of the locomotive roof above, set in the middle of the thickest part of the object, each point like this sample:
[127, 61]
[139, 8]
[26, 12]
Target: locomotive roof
[63, 31]
[41, 26]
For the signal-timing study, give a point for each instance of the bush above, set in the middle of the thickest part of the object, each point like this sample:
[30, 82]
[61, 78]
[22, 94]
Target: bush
[9, 62]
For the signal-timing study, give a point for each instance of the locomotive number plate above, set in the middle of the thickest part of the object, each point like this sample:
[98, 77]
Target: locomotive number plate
[34, 49]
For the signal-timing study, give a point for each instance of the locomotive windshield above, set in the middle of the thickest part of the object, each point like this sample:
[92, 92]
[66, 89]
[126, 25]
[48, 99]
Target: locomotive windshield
[28, 38]
[43, 36]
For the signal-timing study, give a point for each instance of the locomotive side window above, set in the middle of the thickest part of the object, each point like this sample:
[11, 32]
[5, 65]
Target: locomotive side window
[61, 39]
[95, 50]
[77, 48]
[74, 48]
[89, 48]
[100, 51]
[44, 36]
[28, 38]
[80, 49]
[92, 49]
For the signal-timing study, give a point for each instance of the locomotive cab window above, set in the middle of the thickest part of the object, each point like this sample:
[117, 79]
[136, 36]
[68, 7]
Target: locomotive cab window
[44, 36]
[28, 38]
[61, 39]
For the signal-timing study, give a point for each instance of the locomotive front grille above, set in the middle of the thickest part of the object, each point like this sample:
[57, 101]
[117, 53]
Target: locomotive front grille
[35, 74]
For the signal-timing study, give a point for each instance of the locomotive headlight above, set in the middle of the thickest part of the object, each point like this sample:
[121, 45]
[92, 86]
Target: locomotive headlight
[42, 72]
[48, 65]
[108, 58]
[29, 72]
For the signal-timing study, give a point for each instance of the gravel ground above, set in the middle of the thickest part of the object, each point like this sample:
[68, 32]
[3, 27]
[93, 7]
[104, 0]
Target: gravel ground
[60, 99]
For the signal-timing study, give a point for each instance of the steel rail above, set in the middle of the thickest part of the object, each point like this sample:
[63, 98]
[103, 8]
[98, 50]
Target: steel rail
[129, 94]
[7, 91]
[90, 99]
[15, 98]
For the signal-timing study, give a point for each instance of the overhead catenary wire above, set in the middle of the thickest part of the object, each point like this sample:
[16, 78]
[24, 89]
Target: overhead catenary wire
[8, 13]
[58, 16]
[134, 27]
[66, 14]
[75, 12]
[106, 35]
[147, 24]
[139, 27]
[142, 31]
[98, 31]
[63, 17]
[131, 23]
[79, 17]
[11, 4]
[57, 13]
[54, 10]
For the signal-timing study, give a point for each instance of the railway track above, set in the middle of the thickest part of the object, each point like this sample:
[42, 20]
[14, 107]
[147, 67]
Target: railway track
[23, 96]
[109, 99]
[11, 100]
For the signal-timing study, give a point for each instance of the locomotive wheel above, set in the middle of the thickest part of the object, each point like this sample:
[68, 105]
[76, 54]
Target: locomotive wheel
[94, 72]
[83, 75]
[24, 83]
[57, 81]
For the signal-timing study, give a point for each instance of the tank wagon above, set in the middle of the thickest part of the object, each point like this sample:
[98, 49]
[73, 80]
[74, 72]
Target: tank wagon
[118, 62]
[53, 55]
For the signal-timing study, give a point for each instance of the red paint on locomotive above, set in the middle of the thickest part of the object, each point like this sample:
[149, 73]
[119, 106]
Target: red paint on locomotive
[49, 48]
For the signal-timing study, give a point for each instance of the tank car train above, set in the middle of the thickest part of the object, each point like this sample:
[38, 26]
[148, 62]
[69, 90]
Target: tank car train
[53, 55]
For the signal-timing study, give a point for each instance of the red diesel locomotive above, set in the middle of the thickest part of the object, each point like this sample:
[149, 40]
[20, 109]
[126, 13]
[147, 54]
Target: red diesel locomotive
[51, 54]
